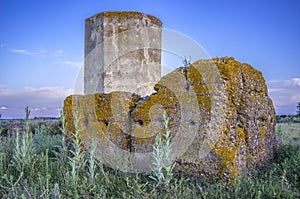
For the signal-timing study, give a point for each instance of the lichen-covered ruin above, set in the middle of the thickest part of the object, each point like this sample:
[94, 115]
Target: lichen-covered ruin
[222, 103]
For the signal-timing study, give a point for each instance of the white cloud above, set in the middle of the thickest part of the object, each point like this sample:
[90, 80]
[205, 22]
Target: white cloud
[43, 52]
[42, 93]
[3, 108]
[274, 90]
[54, 92]
[59, 53]
[43, 101]
[23, 52]
[40, 109]
[296, 97]
[285, 95]
[73, 64]
[295, 81]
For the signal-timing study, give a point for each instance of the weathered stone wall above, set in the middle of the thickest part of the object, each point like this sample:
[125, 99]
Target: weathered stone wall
[233, 131]
[122, 53]
[247, 137]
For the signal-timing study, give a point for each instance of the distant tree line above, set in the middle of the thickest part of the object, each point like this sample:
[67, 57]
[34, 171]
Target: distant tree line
[289, 118]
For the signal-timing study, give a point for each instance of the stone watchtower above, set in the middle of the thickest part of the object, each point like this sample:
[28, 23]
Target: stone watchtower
[122, 53]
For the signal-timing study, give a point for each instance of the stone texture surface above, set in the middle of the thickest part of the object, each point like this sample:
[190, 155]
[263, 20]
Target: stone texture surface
[222, 120]
[122, 53]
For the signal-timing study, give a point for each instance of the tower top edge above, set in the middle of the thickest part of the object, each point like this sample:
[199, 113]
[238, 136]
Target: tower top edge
[125, 14]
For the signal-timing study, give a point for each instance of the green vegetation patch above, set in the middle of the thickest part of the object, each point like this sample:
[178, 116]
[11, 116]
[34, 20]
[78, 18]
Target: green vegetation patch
[289, 132]
[44, 165]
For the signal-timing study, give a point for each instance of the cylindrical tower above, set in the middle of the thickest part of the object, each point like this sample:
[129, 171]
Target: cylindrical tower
[122, 53]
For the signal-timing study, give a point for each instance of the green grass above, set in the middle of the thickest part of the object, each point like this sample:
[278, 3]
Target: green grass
[45, 165]
[289, 133]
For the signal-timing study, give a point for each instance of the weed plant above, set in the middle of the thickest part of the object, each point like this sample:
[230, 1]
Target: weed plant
[45, 165]
[162, 162]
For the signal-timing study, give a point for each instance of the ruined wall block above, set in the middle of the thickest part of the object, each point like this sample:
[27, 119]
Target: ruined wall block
[246, 137]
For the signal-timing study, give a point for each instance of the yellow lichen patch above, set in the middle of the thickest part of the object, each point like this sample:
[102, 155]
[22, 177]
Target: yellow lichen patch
[142, 121]
[262, 146]
[262, 133]
[252, 98]
[69, 118]
[200, 89]
[226, 152]
[90, 121]
[164, 97]
[230, 71]
[241, 134]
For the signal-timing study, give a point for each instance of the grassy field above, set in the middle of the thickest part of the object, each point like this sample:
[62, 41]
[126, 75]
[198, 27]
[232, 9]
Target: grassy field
[289, 132]
[46, 165]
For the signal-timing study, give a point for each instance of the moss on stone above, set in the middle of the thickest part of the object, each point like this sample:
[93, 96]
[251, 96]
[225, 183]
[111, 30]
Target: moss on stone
[243, 135]
[120, 15]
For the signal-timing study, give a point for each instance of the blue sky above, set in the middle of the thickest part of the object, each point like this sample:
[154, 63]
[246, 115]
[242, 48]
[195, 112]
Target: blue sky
[42, 42]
